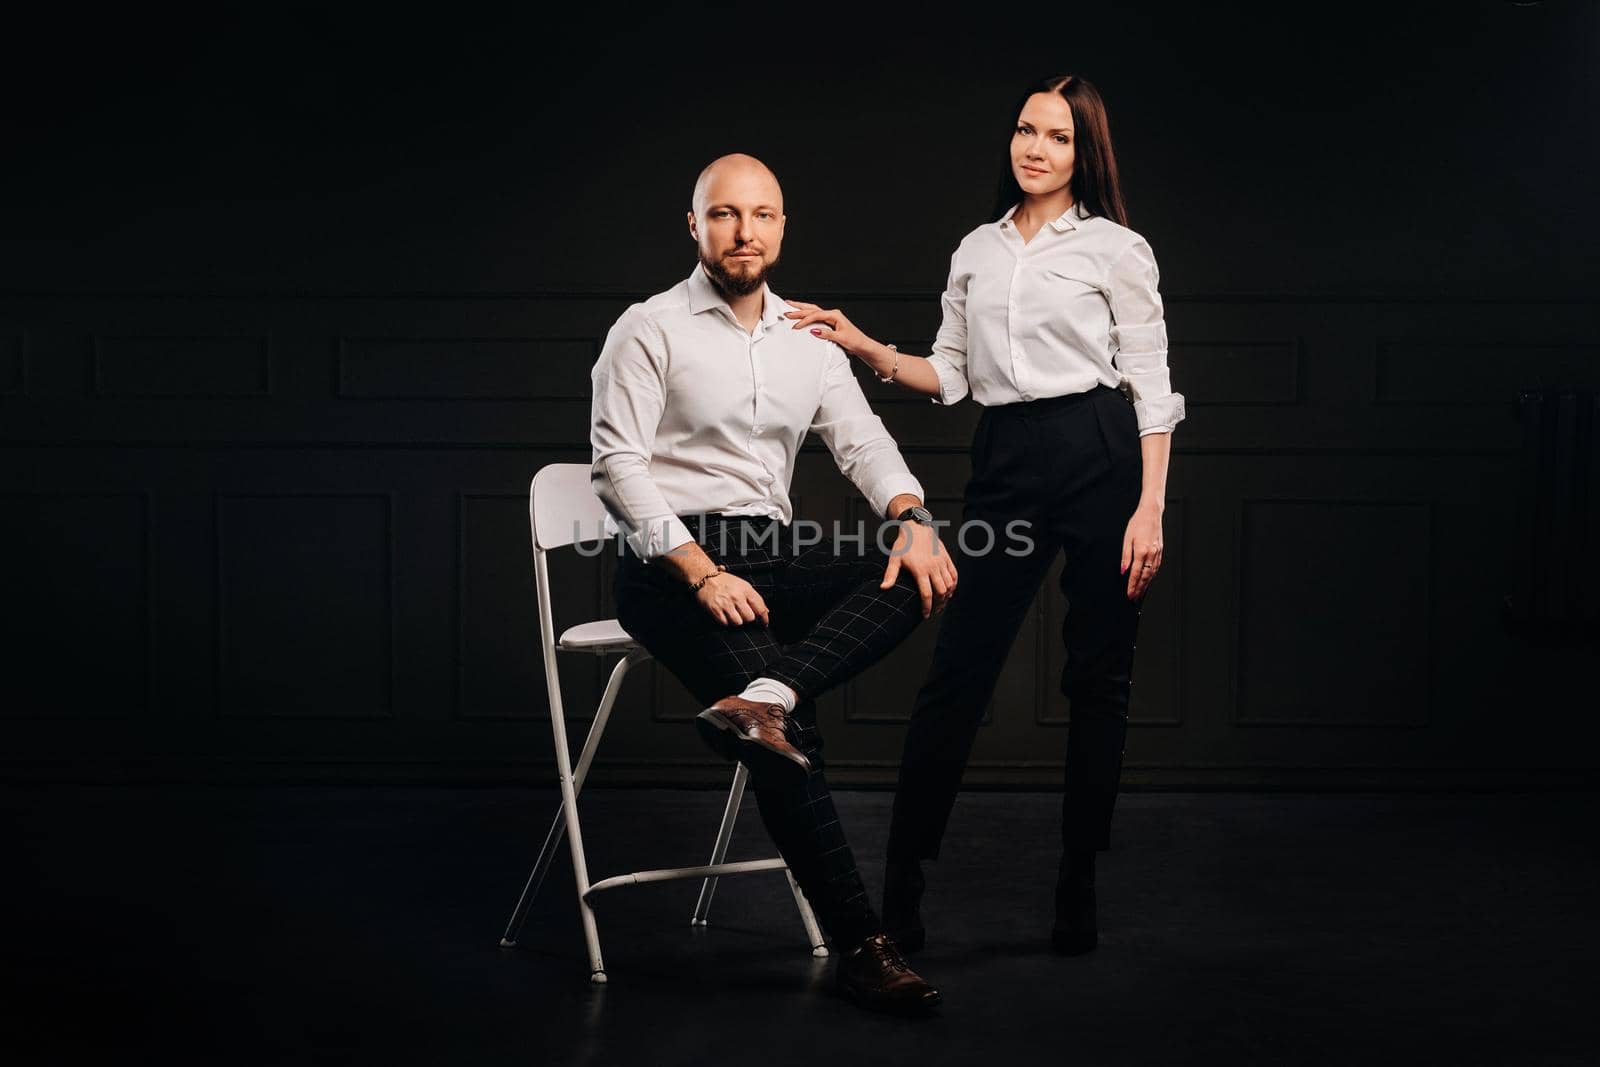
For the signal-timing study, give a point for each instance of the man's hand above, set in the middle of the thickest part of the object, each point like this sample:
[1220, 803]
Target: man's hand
[733, 601]
[730, 599]
[918, 550]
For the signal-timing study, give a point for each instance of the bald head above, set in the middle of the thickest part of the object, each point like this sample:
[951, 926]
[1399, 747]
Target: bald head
[736, 176]
[737, 221]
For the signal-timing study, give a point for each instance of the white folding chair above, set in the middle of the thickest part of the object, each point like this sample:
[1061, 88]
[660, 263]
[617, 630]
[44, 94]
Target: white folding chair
[563, 510]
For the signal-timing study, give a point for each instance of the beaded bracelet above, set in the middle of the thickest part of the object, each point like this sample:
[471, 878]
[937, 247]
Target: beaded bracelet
[892, 370]
[695, 588]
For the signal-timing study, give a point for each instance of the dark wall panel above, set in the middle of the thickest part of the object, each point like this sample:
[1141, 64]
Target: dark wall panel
[341, 586]
[1334, 618]
[182, 366]
[12, 368]
[305, 606]
[272, 388]
[77, 629]
[465, 368]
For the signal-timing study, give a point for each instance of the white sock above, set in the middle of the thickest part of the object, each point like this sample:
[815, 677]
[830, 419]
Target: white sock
[771, 691]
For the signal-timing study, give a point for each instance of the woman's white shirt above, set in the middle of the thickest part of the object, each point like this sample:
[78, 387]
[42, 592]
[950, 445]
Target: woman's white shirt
[1076, 306]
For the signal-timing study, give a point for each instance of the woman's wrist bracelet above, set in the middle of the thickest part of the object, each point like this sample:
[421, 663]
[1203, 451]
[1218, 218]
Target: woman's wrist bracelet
[892, 370]
[695, 587]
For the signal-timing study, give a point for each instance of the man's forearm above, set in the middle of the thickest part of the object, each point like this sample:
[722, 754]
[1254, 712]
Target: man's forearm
[621, 479]
[688, 562]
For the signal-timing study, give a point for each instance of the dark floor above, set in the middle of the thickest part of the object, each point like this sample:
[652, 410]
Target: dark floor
[360, 925]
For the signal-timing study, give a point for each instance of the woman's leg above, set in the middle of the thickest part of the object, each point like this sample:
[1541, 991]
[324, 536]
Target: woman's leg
[1100, 629]
[997, 582]
[1099, 633]
[1097, 679]
[978, 628]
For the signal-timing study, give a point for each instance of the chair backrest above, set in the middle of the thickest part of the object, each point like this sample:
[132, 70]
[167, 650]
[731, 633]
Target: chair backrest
[562, 506]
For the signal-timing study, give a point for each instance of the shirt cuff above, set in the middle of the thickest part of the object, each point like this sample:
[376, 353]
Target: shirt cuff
[891, 487]
[1159, 414]
[952, 383]
[656, 537]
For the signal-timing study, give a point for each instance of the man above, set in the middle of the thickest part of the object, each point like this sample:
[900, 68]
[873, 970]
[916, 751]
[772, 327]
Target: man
[702, 396]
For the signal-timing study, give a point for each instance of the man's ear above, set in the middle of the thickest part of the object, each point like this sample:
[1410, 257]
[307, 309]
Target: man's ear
[693, 232]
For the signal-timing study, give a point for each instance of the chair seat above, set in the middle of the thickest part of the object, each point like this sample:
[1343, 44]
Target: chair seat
[590, 636]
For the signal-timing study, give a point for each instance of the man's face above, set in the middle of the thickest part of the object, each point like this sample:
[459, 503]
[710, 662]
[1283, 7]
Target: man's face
[739, 228]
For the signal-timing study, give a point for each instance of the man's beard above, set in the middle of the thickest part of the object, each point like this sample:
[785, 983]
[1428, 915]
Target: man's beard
[740, 284]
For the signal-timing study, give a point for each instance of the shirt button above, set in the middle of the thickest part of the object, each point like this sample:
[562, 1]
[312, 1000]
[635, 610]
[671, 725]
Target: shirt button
[1027, 396]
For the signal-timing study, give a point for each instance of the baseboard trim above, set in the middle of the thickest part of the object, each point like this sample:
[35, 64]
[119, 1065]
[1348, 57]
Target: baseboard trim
[715, 775]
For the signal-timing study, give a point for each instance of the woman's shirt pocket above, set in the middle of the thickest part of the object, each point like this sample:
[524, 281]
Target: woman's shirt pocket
[1068, 307]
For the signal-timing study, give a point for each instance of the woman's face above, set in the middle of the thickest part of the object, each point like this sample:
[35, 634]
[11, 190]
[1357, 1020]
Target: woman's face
[1043, 145]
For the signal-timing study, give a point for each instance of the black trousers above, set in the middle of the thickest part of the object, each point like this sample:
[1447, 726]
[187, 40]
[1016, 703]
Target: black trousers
[1071, 468]
[830, 621]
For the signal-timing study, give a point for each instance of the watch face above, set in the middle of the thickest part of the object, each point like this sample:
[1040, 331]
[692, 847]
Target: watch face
[922, 515]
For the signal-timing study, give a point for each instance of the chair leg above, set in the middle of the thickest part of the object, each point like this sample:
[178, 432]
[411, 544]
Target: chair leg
[569, 786]
[730, 813]
[558, 828]
[541, 867]
[580, 870]
[819, 945]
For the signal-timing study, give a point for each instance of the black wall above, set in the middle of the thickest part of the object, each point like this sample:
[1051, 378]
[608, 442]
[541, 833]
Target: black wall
[292, 306]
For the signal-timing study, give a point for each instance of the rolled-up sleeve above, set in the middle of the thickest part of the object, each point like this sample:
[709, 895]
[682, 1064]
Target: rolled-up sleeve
[1139, 338]
[629, 381]
[860, 444]
[949, 355]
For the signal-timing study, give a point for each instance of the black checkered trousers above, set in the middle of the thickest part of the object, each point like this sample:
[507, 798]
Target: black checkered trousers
[829, 622]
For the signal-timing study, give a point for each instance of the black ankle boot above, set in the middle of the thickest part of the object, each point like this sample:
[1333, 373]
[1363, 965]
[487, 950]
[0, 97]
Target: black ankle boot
[902, 904]
[1075, 931]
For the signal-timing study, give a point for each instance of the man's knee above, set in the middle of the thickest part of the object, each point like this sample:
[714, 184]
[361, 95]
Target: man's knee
[905, 598]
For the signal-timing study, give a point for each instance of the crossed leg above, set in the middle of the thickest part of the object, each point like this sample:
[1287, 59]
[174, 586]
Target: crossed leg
[830, 621]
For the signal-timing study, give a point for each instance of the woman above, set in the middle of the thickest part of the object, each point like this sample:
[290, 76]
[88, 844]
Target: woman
[1053, 322]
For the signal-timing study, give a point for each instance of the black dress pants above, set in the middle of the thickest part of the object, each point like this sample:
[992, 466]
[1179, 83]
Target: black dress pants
[1071, 468]
[829, 622]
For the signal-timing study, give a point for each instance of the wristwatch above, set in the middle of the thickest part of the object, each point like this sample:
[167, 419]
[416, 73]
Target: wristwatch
[916, 514]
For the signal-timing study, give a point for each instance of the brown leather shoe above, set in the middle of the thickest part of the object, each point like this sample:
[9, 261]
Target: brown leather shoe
[756, 735]
[875, 975]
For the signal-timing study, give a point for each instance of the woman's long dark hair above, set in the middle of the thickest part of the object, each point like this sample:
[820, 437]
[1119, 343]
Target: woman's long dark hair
[1095, 185]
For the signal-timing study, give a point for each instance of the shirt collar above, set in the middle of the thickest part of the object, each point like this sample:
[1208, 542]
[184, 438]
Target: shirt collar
[1061, 224]
[703, 296]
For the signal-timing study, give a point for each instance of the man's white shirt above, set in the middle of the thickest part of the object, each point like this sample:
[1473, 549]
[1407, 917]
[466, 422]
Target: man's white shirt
[692, 413]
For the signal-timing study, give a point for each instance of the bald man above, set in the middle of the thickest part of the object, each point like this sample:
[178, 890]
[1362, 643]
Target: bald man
[702, 397]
